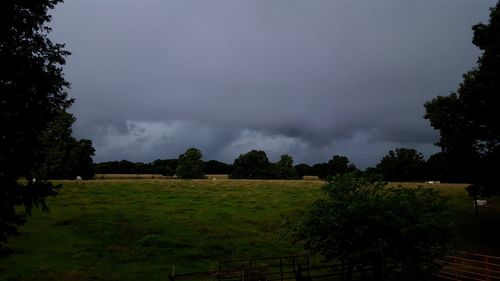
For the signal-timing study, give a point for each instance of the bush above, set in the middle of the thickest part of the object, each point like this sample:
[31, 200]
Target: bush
[396, 233]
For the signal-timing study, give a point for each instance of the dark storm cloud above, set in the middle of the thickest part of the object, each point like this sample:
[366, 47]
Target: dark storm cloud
[309, 78]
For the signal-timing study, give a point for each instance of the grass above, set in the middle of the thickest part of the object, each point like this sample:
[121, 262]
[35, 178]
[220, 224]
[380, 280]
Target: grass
[148, 176]
[129, 229]
[139, 229]
[472, 233]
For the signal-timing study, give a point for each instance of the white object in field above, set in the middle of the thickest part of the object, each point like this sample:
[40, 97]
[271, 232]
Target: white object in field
[33, 180]
[482, 203]
[433, 182]
[78, 178]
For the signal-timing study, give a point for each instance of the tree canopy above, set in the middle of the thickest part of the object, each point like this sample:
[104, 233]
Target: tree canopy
[394, 233]
[338, 165]
[403, 164]
[468, 119]
[164, 167]
[251, 165]
[33, 93]
[217, 167]
[61, 155]
[190, 165]
[285, 168]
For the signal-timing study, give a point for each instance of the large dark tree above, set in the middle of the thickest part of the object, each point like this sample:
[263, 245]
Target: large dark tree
[403, 164]
[251, 165]
[445, 167]
[468, 119]
[81, 159]
[304, 169]
[190, 165]
[32, 94]
[62, 156]
[390, 234]
[285, 169]
[338, 165]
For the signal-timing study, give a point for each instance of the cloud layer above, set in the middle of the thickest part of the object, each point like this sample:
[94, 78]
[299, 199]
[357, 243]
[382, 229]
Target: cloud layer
[309, 78]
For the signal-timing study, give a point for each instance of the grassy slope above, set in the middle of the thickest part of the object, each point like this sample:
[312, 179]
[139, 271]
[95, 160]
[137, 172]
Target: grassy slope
[138, 229]
[129, 229]
[472, 233]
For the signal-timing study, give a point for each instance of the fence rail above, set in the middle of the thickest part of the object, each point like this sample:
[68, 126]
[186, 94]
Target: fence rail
[270, 269]
[468, 266]
[459, 267]
[265, 269]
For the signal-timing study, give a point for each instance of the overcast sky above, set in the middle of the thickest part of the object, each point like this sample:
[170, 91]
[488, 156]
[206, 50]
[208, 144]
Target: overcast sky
[309, 78]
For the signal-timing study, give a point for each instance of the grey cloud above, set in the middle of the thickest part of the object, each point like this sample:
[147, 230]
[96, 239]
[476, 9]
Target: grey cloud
[313, 75]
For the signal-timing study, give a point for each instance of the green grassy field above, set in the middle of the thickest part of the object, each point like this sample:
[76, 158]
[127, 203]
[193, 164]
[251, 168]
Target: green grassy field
[138, 229]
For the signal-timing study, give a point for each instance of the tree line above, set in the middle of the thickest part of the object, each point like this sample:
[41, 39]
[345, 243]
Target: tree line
[399, 165]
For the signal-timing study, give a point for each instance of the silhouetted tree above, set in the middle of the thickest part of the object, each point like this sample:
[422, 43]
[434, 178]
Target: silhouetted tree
[114, 167]
[304, 170]
[320, 170]
[394, 233]
[338, 165]
[404, 164]
[61, 156]
[445, 167]
[81, 159]
[216, 167]
[190, 165]
[125, 167]
[142, 168]
[468, 120]
[285, 169]
[33, 93]
[251, 165]
[165, 167]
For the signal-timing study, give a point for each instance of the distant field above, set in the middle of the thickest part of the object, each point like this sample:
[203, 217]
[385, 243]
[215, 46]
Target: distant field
[158, 176]
[137, 229]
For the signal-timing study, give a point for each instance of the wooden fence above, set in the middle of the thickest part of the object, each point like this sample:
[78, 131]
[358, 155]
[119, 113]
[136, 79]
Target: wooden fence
[270, 269]
[467, 266]
[460, 267]
[266, 269]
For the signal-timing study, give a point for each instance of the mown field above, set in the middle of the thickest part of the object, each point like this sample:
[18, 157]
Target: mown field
[138, 229]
